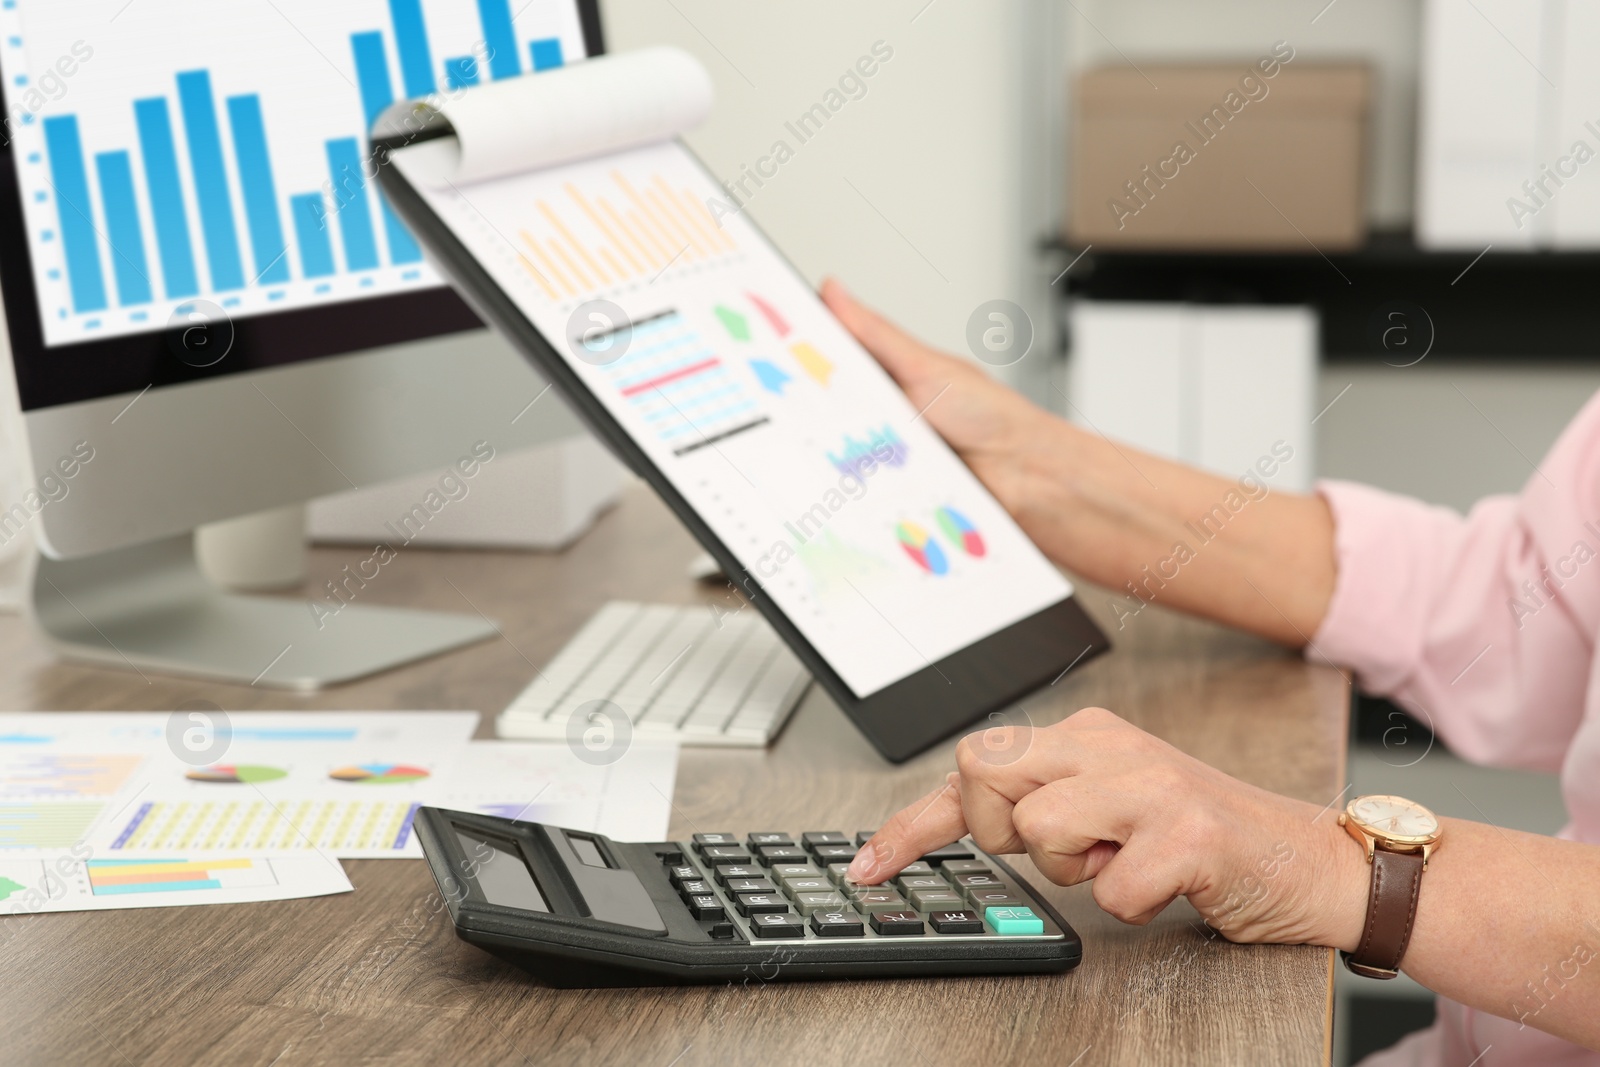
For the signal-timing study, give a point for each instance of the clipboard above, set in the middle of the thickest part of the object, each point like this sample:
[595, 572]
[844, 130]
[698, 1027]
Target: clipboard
[568, 214]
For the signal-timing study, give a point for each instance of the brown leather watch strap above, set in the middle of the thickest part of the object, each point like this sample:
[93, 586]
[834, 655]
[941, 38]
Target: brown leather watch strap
[1391, 911]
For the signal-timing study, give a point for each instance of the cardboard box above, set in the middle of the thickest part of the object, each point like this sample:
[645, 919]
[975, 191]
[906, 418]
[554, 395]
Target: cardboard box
[1221, 157]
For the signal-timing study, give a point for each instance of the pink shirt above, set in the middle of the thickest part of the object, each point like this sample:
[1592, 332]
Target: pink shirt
[1486, 627]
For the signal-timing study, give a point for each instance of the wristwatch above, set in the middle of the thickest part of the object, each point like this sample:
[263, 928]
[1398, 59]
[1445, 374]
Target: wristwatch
[1399, 835]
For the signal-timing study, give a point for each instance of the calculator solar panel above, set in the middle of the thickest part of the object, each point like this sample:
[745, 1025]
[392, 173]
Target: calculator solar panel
[578, 909]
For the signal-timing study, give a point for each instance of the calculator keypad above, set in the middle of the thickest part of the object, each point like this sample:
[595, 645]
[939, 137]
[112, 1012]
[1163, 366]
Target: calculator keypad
[776, 885]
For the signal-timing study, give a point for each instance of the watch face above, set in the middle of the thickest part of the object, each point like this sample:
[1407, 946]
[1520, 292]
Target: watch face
[1394, 817]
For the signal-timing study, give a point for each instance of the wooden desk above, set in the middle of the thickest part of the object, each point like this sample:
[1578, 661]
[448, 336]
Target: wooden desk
[378, 975]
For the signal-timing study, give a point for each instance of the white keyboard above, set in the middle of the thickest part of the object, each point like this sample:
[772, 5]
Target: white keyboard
[677, 672]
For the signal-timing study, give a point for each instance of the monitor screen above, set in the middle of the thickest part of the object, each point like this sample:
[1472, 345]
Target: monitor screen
[170, 164]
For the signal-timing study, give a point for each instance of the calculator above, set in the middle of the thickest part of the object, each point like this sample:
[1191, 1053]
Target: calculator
[580, 910]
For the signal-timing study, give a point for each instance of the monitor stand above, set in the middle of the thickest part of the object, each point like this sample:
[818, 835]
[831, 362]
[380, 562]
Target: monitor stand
[150, 609]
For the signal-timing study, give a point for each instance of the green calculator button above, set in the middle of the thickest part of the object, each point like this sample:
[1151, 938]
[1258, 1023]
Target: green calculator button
[1014, 921]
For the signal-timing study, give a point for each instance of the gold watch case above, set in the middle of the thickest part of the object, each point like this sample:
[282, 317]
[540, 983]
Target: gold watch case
[1377, 835]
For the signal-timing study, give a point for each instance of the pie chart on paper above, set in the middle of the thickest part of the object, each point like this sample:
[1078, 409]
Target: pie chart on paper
[378, 773]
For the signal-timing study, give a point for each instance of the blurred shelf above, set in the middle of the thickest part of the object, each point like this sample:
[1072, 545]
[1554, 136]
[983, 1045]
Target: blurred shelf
[1503, 306]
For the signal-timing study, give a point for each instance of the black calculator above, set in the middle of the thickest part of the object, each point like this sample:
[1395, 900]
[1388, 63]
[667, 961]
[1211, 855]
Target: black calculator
[579, 910]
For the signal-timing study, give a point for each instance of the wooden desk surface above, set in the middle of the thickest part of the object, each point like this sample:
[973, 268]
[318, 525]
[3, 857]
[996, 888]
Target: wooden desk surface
[378, 975]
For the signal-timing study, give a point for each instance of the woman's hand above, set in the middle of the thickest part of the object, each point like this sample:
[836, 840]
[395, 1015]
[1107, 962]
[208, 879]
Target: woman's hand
[1093, 797]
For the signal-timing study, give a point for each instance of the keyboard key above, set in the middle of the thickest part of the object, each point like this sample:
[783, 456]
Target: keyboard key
[750, 885]
[767, 855]
[705, 841]
[914, 869]
[721, 930]
[806, 903]
[841, 924]
[768, 837]
[834, 853]
[896, 923]
[979, 881]
[738, 870]
[965, 867]
[695, 887]
[863, 836]
[836, 873]
[757, 903]
[921, 881]
[958, 851]
[808, 885]
[684, 873]
[774, 924]
[955, 922]
[706, 907]
[722, 854]
[795, 870]
[671, 857]
[993, 898]
[1014, 921]
[871, 901]
[927, 899]
[813, 838]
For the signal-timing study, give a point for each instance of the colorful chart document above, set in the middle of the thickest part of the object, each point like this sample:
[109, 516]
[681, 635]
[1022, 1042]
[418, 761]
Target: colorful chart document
[340, 786]
[69, 883]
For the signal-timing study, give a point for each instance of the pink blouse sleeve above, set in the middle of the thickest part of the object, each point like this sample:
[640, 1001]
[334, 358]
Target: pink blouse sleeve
[1483, 626]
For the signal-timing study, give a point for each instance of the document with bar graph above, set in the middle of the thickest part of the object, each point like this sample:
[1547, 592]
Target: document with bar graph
[171, 151]
[676, 321]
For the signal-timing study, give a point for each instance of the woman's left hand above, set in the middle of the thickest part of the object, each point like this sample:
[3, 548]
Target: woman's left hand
[1094, 797]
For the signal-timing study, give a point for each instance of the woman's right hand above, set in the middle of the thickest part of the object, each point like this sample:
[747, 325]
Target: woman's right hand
[1008, 442]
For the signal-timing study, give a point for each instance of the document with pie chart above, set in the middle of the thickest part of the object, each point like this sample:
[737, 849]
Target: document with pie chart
[771, 421]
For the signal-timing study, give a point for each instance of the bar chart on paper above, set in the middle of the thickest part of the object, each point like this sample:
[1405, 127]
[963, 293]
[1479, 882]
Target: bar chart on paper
[237, 173]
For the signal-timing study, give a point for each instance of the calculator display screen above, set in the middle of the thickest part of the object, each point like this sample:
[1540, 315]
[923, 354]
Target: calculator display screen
[500, 871]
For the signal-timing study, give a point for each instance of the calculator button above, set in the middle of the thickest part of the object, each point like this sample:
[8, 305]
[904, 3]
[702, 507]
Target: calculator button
[834, 853]
[957, 851]
[808, 885]
[874, 901]
[1012, 922]
[756, 903]
[767, 855]
[863, 836]
[777, 925]
[965, 867]
[955, 922]
[979, 881]
[695, 887]
[705, 841]
[706, 908]
[795, 870]
[993, 898]
[838, 924]
[670, 857]
[813, 838]
[750, 885]
[837, 875]
[921, 881]
[738, 870]
[768, 837]
[721, 854]
[925, 899]
[680, 875]
[896, 923]
[721, 930]
[912, 870]
[806, 903]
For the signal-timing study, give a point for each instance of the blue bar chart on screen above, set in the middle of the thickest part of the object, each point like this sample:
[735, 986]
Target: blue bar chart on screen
[232, 165]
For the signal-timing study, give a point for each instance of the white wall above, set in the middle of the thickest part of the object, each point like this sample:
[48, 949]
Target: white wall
[940, 150]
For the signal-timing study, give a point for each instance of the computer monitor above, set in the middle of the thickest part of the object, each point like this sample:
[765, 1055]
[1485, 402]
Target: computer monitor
[188, 231]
